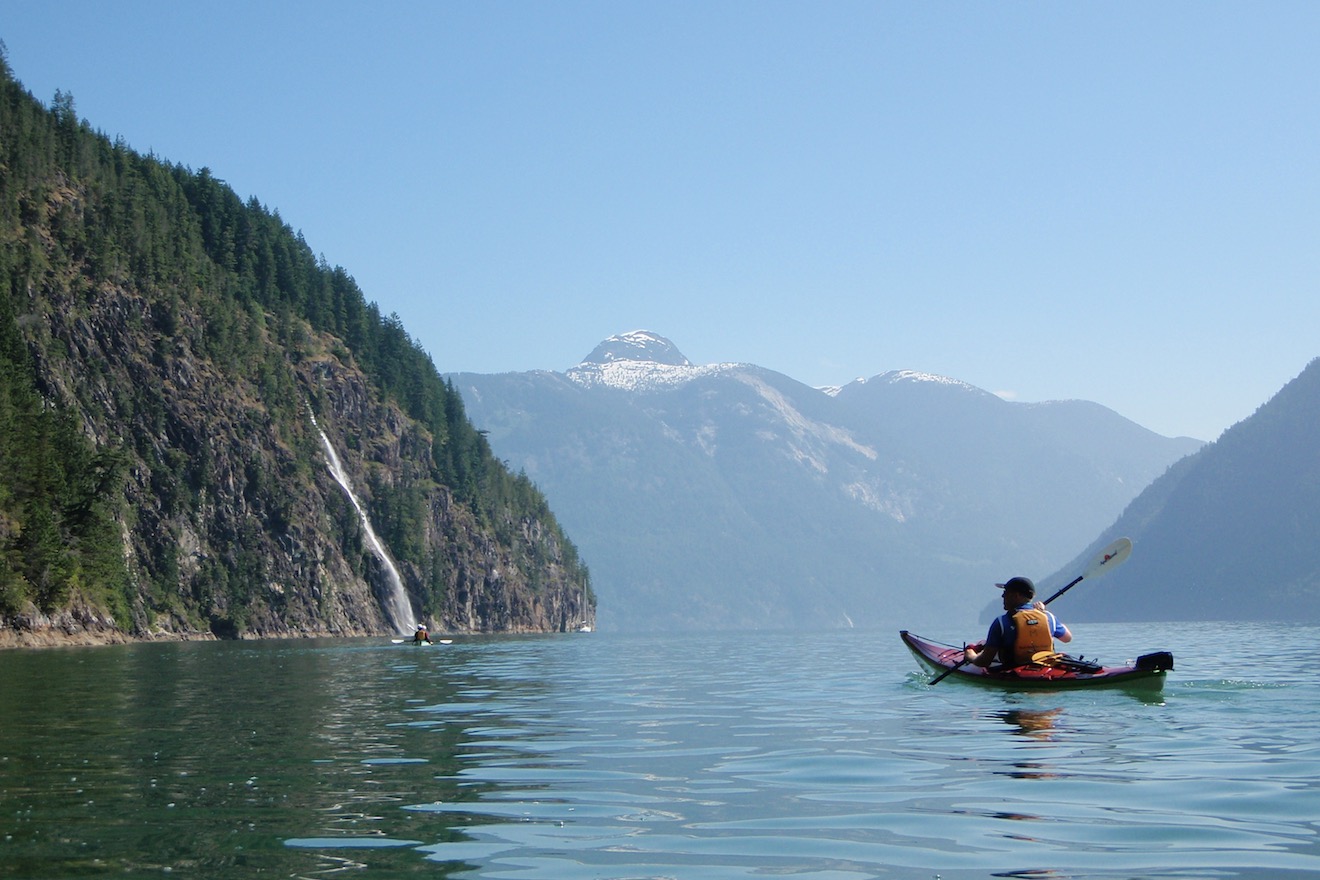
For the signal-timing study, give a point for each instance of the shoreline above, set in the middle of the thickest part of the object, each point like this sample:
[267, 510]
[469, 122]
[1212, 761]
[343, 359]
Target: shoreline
[83, 626]
[14, 638]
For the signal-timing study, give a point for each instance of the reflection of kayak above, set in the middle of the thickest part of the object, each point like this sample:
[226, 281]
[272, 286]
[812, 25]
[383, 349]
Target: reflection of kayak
[1147, 673]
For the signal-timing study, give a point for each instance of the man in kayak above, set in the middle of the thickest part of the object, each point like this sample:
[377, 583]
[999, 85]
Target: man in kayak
[1023, 630]
[421, 637]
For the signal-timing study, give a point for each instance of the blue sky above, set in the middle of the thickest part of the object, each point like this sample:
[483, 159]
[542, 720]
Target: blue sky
[1113, 201]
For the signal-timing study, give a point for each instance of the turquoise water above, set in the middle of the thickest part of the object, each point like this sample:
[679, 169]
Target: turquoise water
[811, 755]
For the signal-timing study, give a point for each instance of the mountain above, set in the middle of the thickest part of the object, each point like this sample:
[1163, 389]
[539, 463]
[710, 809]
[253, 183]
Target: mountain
[205, 430]
[732, 496]
[1228, 533]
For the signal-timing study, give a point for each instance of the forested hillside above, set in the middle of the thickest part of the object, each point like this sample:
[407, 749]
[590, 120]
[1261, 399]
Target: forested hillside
[164, 348]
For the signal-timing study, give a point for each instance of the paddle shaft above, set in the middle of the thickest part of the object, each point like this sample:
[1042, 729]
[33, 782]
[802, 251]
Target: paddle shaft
[946, 673]
[1075, 581]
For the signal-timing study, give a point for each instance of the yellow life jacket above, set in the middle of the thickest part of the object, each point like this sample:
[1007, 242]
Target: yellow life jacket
[1032, 629]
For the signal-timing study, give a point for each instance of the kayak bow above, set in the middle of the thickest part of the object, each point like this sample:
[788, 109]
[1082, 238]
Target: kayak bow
[1146, 673]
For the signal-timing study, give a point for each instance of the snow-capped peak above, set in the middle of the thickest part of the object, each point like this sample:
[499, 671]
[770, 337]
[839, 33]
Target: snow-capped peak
[639, 361]
[896, 377]
[638, 345]
[893, 377]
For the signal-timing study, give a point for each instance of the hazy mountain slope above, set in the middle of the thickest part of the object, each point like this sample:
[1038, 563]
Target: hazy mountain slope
[1229, 533]
[1034, 475]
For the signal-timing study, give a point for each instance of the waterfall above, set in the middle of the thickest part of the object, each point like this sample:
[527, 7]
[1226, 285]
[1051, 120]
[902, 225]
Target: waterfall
[397, 607]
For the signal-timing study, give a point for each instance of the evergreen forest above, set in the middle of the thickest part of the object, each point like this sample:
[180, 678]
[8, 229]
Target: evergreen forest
[122, 275]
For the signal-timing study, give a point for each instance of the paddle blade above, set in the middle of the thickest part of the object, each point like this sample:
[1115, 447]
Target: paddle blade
[1109, 558]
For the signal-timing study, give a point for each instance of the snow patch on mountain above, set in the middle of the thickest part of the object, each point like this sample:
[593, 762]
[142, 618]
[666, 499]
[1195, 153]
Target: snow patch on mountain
[894, 377]
[638, 345]
[641, 375]
[640, 361]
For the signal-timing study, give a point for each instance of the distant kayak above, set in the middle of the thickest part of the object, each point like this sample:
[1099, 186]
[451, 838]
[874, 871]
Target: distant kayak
[1061, 673]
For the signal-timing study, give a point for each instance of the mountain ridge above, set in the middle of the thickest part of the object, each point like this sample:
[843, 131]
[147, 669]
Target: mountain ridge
[772, 503]
[1228, 533]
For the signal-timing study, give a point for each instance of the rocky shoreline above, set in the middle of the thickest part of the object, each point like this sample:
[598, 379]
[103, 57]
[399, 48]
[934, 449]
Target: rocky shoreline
[84, 626]
[77, 626]
[51, 637]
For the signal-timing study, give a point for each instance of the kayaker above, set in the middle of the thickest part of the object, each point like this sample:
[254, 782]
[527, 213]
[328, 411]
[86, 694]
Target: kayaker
[1024, 629]
[421, 637]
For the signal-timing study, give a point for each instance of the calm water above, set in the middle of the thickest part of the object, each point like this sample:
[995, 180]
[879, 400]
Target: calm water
[820, 756]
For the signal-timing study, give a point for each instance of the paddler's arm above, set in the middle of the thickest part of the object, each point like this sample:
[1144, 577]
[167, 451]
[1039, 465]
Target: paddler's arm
[978, 657]
[1060, 632]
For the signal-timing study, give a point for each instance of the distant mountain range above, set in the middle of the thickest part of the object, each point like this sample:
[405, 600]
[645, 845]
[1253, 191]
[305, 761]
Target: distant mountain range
[732, 496]
[1230, 533]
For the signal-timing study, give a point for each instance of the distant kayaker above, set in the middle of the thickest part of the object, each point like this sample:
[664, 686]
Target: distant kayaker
[1023, 630]
[421, 637]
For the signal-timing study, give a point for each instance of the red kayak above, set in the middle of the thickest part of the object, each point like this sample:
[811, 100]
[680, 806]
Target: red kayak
[1062, 673]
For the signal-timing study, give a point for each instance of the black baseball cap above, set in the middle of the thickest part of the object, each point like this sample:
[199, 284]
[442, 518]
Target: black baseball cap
[1019, 584]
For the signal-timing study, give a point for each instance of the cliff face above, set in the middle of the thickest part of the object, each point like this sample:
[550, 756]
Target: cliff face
[201, 394]
[233, 500]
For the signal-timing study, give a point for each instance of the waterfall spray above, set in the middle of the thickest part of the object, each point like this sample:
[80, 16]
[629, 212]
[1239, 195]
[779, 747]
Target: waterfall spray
[397, 607]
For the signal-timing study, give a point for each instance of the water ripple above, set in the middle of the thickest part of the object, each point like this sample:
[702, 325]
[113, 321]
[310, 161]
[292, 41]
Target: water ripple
[712, 756]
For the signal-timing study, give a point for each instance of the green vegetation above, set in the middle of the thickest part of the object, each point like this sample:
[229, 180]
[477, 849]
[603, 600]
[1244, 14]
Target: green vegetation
[234, 288]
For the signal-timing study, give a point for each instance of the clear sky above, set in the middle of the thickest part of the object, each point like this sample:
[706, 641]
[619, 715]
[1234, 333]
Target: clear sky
[1113, 201]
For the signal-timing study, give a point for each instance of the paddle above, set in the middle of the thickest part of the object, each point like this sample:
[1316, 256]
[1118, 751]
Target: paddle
[1109, 558]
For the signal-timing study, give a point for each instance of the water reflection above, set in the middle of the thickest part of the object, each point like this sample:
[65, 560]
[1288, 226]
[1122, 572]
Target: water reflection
[713, 758]
[1037, 724]
[208, 756]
